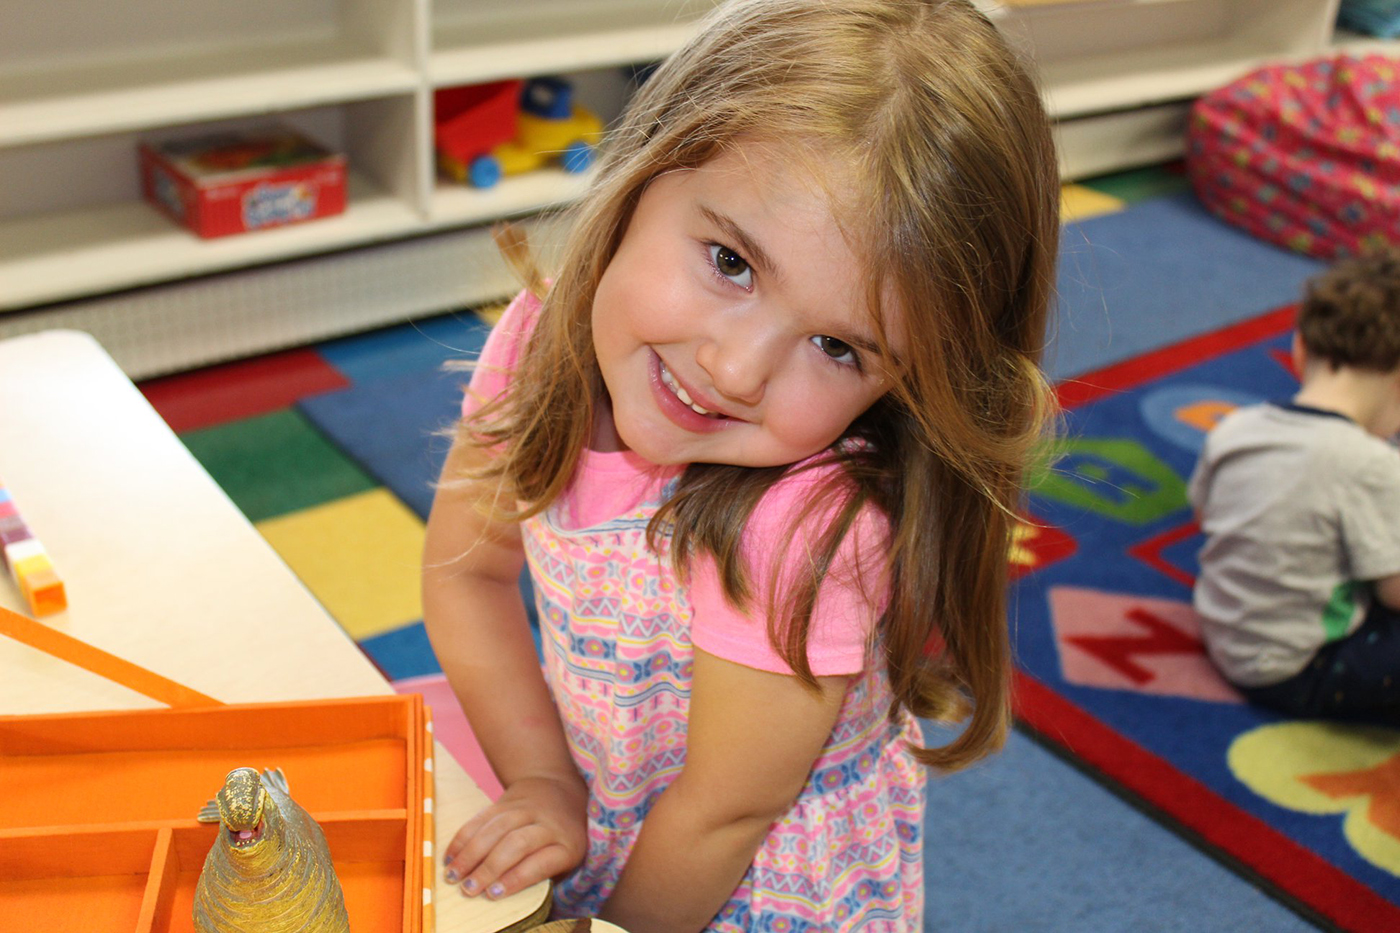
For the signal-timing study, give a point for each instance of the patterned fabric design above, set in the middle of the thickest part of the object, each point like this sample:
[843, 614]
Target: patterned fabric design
[1304, 156]
[618, 655]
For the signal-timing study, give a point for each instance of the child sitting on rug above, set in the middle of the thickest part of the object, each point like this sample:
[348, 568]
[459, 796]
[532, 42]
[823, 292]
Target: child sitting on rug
[1299, 591]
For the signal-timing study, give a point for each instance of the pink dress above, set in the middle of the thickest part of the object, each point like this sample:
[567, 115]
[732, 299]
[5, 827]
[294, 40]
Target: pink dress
[618, 634]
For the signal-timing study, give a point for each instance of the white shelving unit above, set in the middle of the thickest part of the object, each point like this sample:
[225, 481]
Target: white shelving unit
[83, 81]
[1119, 75]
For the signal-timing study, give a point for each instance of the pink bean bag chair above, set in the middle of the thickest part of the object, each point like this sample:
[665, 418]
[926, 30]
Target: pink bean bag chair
[1305, 156]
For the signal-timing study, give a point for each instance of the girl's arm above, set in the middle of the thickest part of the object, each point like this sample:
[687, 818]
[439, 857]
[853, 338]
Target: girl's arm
[752, 739]
[476, 621]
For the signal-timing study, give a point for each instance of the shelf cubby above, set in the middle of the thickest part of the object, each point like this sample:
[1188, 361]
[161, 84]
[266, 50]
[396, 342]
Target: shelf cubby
[106, 69]
[472, 42]
[63, 239]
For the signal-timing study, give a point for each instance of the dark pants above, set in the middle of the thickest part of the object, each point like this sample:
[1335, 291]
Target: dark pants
[1354, 678]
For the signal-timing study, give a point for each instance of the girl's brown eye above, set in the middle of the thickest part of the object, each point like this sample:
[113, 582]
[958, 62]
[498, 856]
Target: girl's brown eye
[728, 262]
[839, 352]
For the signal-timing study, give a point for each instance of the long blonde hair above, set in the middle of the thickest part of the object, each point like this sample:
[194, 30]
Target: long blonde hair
[957, 219]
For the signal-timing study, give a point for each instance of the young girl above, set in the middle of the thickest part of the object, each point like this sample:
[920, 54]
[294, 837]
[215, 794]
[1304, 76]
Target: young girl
[760, 443]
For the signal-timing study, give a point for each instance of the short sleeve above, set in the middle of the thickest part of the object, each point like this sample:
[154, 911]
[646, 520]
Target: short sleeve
[1369, 507]
[850, 600]
[501, 352]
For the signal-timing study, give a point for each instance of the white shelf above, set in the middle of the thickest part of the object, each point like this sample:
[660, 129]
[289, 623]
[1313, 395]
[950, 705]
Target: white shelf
[1357, 43]
[79, 100]
[64, 255]
[529, 38]
[456, 205]
[1101, 56]
[1144, 77]
[1109, 142]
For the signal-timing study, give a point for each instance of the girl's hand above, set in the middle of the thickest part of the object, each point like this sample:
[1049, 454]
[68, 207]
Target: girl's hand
[536, 830]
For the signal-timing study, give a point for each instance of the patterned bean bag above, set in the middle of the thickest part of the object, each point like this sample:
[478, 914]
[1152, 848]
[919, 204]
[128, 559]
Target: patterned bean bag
[1306, 156]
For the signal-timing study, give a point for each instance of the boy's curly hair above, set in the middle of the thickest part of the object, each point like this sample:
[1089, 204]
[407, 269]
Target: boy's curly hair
[1350, 315]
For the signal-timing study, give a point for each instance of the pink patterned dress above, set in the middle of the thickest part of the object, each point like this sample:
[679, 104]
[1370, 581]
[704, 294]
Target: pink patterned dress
[618, 634]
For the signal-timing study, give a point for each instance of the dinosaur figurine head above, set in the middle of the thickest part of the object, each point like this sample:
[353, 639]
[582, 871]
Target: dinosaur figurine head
[244, 808]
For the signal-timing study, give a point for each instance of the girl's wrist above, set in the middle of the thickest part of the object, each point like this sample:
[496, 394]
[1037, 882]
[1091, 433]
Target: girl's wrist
[569, 781]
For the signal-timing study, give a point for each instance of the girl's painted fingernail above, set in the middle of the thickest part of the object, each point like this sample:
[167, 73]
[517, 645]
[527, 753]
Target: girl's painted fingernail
[496, 890]
[469, 885]
[451, 876]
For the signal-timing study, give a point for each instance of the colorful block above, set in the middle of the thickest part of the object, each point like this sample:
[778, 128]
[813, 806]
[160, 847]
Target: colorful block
[13, 535]
[21, 552]
[23, 555]
[31, 564]
[44, 592]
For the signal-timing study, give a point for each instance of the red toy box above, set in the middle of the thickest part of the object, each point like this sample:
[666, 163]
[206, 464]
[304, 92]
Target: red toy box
[235, 182]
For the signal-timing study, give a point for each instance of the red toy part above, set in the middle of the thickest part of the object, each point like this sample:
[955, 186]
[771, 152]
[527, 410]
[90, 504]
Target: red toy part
[470, 121]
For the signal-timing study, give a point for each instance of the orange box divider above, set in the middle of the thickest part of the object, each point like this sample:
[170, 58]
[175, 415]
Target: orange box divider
[160, 885]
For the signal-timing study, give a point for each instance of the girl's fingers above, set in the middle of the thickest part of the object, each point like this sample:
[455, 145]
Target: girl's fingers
[534, 868]
[497, 875]
[471, 846]
[464, 835]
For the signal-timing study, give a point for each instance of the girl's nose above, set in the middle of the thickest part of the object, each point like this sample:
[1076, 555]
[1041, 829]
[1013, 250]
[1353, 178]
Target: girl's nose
[739, 365]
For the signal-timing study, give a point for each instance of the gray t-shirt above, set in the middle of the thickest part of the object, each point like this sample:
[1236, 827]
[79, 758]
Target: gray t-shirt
[1301, 510]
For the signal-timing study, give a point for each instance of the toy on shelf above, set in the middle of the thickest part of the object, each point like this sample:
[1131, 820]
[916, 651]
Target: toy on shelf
[269, 869]
[485, 131]
[227, 183]
[469, 123]
[28, 562]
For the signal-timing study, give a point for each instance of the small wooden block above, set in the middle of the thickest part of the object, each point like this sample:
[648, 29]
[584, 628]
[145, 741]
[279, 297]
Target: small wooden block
[44, 592]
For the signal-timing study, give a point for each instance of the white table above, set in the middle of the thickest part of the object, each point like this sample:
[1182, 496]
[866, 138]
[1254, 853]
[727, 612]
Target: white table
[162, 569]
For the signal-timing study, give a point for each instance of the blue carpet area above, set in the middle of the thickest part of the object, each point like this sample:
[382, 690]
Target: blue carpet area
[390, 426]
[400, 398]
[1024, 842]
[1161, 271]
[416, 347]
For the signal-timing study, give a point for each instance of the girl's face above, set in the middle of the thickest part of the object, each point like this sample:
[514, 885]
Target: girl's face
[731, 324]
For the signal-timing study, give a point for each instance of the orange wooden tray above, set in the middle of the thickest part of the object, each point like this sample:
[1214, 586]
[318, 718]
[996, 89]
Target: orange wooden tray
[97, 828]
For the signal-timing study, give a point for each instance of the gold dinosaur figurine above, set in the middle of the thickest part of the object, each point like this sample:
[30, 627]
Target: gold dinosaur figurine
[270, 870]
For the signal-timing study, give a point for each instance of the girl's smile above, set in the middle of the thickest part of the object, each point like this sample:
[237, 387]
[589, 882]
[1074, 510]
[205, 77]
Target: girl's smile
[731, 324]
[670, 392]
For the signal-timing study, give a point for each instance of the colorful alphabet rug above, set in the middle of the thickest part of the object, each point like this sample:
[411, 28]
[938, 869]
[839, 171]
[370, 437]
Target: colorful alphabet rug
[1111, 667]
